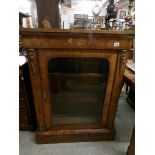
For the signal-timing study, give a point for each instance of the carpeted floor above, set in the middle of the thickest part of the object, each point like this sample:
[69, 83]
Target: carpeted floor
[124, 124]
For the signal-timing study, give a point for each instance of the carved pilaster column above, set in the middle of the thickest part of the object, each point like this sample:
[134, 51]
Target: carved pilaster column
[32, 59]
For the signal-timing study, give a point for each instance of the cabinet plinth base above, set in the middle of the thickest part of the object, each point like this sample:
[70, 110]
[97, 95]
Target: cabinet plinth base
[62, 136]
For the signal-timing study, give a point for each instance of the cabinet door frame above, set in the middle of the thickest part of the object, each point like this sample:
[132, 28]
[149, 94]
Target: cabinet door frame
[44, 55]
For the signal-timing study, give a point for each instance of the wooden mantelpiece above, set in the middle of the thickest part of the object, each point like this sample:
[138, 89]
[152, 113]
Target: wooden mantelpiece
[43, 45]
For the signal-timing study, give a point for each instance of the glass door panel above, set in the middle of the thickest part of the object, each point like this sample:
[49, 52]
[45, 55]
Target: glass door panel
[77, 89]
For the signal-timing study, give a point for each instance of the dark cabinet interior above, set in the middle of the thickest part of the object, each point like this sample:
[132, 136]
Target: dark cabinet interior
[77, 88]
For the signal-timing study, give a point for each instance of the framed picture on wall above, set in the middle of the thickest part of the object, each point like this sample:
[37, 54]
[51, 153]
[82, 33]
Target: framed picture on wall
[122, 14]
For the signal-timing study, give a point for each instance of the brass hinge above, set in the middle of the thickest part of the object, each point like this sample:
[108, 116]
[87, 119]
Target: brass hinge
[41, 126]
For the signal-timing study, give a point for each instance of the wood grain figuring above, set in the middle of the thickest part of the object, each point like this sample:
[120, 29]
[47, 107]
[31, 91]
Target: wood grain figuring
[85, 135]
[77, 43]
[72, 39]
[55, 43]
[116, 90]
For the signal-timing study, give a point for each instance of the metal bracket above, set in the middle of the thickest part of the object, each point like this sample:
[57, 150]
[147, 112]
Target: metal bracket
[21, 46]
[122, 61]
[31, 56]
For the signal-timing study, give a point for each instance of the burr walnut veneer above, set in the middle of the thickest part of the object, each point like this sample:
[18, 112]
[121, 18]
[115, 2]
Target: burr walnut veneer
[76, 77]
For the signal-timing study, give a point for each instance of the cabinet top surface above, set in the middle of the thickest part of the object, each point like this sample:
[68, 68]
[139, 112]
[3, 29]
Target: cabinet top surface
[74, 31]
[73, 39]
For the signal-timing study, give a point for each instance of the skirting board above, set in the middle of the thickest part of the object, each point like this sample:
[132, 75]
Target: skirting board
[62, 136]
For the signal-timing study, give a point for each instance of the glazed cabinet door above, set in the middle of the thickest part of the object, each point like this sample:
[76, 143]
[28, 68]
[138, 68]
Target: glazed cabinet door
[76, 86]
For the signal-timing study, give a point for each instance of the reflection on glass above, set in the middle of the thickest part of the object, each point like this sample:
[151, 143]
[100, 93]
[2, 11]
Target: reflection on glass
[77, 88]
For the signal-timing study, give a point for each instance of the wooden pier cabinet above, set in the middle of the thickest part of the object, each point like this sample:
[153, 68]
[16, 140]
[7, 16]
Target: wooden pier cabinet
[76, 77]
